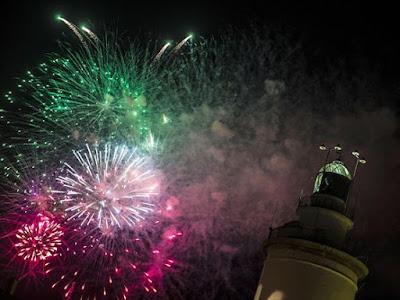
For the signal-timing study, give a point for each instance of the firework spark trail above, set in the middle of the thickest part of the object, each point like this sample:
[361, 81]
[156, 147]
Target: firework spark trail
[75, 30]
[161, 52]
[91, 34]
[181, 43]
[114, 186]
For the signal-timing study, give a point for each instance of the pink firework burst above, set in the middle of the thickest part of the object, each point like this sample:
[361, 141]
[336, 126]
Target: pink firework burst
[38, 240]
[127, 265]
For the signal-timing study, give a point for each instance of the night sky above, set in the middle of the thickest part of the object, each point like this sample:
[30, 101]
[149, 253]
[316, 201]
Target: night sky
[338, 29]
[352, 32]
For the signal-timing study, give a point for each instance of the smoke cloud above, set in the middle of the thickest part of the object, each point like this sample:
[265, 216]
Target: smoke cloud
[237, 170]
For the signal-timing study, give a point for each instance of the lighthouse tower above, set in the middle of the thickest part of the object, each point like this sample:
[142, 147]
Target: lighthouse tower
[307, 259]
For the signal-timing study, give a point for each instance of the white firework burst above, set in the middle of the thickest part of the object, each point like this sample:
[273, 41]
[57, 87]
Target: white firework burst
[113, 187]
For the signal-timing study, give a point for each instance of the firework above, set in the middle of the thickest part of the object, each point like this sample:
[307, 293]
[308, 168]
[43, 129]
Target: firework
[109, 186]
[161, 52]
[88, 97]
[112, 241]
[91, 93]
[26, 186]
[38, 240]
[128, 262]
[182, 43]
[91, 34]
[74, 29]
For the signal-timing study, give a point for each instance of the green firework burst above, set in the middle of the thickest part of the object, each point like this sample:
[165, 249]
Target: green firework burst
[94, 93]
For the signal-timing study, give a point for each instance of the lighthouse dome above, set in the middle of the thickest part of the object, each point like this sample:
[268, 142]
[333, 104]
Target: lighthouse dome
[333, 178]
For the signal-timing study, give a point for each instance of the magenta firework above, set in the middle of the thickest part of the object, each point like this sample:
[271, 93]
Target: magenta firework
[124, 265]
[39, 239]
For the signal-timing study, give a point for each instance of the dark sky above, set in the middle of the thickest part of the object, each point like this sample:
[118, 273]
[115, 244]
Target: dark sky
[338, 28]
[347, 30]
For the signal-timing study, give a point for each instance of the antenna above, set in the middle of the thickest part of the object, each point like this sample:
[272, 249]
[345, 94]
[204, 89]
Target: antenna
[359, 160]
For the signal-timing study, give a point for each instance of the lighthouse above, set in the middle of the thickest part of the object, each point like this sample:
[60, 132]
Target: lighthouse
[308, 258]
